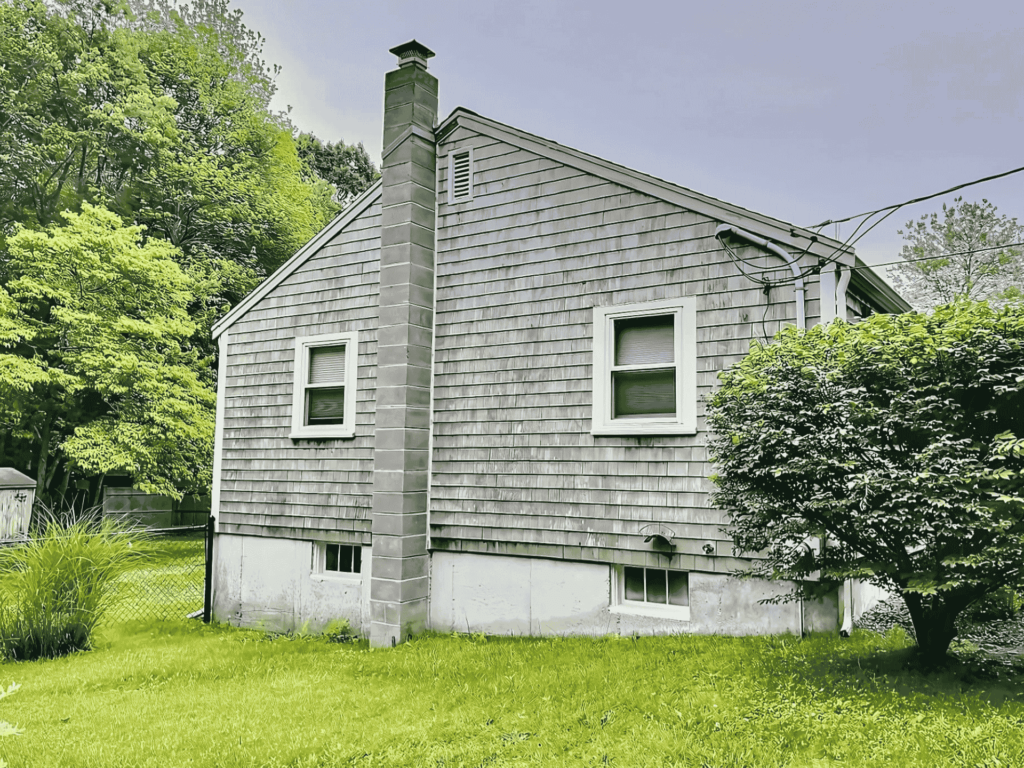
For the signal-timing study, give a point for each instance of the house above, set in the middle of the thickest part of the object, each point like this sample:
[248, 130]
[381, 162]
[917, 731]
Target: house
[473, 401]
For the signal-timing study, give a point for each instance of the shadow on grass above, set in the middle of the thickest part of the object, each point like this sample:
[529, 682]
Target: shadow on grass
[890, 665]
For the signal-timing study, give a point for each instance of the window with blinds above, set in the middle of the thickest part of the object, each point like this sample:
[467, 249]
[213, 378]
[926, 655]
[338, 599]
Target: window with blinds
[460, 175]
[325, 386]
[645, 368]
[643, 372]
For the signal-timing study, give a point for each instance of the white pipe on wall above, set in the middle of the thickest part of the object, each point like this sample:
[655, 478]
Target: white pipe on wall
[760, 242]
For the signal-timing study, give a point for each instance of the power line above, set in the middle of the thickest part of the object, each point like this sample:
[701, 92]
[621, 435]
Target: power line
[935, 258]
[921, 199]
[854, 238]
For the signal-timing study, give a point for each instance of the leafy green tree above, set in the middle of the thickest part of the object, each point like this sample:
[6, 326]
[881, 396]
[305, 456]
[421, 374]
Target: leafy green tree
[160, 115]
[346, 166]
[80, 120]
[894, 445]
[95, 370]
[967, 253]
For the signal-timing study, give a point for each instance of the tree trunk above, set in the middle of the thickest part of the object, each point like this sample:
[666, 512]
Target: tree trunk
[934, 624]
[44, 456]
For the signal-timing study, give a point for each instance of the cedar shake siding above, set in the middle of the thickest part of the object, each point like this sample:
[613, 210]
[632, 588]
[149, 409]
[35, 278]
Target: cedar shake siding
[515, 468]
[271, 484]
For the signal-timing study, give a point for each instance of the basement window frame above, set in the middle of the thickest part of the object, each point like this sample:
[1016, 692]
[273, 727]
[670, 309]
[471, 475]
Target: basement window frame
[683, 310]
[303, 345]
[320, 560]
[452, 198]
[643, 607]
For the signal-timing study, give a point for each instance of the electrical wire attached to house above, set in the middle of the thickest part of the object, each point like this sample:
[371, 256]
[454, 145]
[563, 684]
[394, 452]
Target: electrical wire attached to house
[857, 235]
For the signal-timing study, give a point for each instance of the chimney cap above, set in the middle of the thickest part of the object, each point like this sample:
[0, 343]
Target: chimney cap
[412, 53]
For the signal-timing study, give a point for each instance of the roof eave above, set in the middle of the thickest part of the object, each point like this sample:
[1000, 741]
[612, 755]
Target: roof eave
[871, 285]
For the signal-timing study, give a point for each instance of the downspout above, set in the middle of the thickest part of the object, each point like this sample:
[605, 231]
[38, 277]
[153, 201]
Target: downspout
[842, 314]
[844, 283]
[760, 242]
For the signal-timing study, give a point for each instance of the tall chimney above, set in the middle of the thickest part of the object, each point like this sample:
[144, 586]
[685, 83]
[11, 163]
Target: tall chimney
[398, 585]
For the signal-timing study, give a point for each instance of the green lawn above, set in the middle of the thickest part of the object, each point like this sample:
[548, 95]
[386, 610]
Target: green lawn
[187, 694]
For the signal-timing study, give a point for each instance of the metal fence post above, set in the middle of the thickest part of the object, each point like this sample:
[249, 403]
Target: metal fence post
[208, 591]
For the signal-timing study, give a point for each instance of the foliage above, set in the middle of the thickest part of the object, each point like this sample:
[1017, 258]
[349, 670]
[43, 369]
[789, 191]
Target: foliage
[6, 729]
[1003, 604]
[681, 700]
[885, 451]
[60, 587]
[964, 254]
[346, 166]
[95, 370]
[160, 114]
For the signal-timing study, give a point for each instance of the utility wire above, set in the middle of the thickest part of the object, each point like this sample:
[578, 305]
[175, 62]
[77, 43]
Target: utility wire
[854, 238]
[935, 258]
[921, 199]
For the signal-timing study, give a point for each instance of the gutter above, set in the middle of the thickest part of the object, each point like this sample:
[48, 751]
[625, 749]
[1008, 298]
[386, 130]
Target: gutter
[760, 242]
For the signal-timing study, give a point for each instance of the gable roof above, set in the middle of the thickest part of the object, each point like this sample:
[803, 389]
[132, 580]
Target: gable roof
[798, 238]
[342, 220]
[641, 182]
[790, 235]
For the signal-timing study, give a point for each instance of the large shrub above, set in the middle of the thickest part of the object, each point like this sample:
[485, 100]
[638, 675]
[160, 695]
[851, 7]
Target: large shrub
[57, 586]
[889, 451]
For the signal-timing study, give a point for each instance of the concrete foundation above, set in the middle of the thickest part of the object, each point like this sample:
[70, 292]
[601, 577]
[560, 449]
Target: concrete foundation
[270, 584]
[501, 595]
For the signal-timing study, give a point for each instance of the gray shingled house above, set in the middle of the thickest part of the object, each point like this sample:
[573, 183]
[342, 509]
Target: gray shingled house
[473, 401]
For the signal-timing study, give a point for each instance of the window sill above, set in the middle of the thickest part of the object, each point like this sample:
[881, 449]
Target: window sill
[322, 434]
[640, 430]
[345, 578]
[672, 613]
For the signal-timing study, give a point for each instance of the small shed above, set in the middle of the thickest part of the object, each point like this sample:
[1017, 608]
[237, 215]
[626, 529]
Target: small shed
[17, 492]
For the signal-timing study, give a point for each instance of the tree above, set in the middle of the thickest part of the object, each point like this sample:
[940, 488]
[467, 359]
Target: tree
[885, 451]
[967, 253]
[95, 371]
[346, 166]
[161, 116]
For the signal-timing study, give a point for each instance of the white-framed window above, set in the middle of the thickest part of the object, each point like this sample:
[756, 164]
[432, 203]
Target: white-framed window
[653, 592]
[337, 559]
[460, 175]
[324, 397]
[645, 360]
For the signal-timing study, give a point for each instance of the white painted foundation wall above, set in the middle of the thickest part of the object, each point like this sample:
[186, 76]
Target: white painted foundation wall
[270, 584]
[496, 594]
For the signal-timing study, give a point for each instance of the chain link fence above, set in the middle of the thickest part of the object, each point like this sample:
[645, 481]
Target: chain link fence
[167, 583]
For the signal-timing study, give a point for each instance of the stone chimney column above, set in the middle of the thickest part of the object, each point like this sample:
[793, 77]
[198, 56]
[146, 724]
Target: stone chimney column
[398, 585]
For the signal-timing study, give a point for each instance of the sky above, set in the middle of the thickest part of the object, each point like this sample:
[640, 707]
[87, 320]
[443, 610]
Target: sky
[804, 111]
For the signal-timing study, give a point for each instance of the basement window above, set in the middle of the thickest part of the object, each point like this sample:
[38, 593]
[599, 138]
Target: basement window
[337, 558]
[460, 176]
[654, 592]
[644, 369]
[323, 401]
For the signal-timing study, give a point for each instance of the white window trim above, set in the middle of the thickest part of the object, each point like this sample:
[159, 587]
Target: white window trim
[319, 570]
[452, 200]
[637, 608]
[302, 346]
[685, 420]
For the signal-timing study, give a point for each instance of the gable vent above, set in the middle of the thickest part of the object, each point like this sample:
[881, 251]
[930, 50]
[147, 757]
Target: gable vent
[460, 175]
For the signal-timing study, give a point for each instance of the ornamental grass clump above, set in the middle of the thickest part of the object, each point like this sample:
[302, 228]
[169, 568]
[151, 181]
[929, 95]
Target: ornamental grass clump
[58, 584]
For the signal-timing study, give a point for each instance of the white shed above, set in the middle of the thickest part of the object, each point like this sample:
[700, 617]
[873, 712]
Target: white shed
[17, 492]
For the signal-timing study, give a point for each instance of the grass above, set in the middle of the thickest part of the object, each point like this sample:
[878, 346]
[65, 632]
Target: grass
[188, 694]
